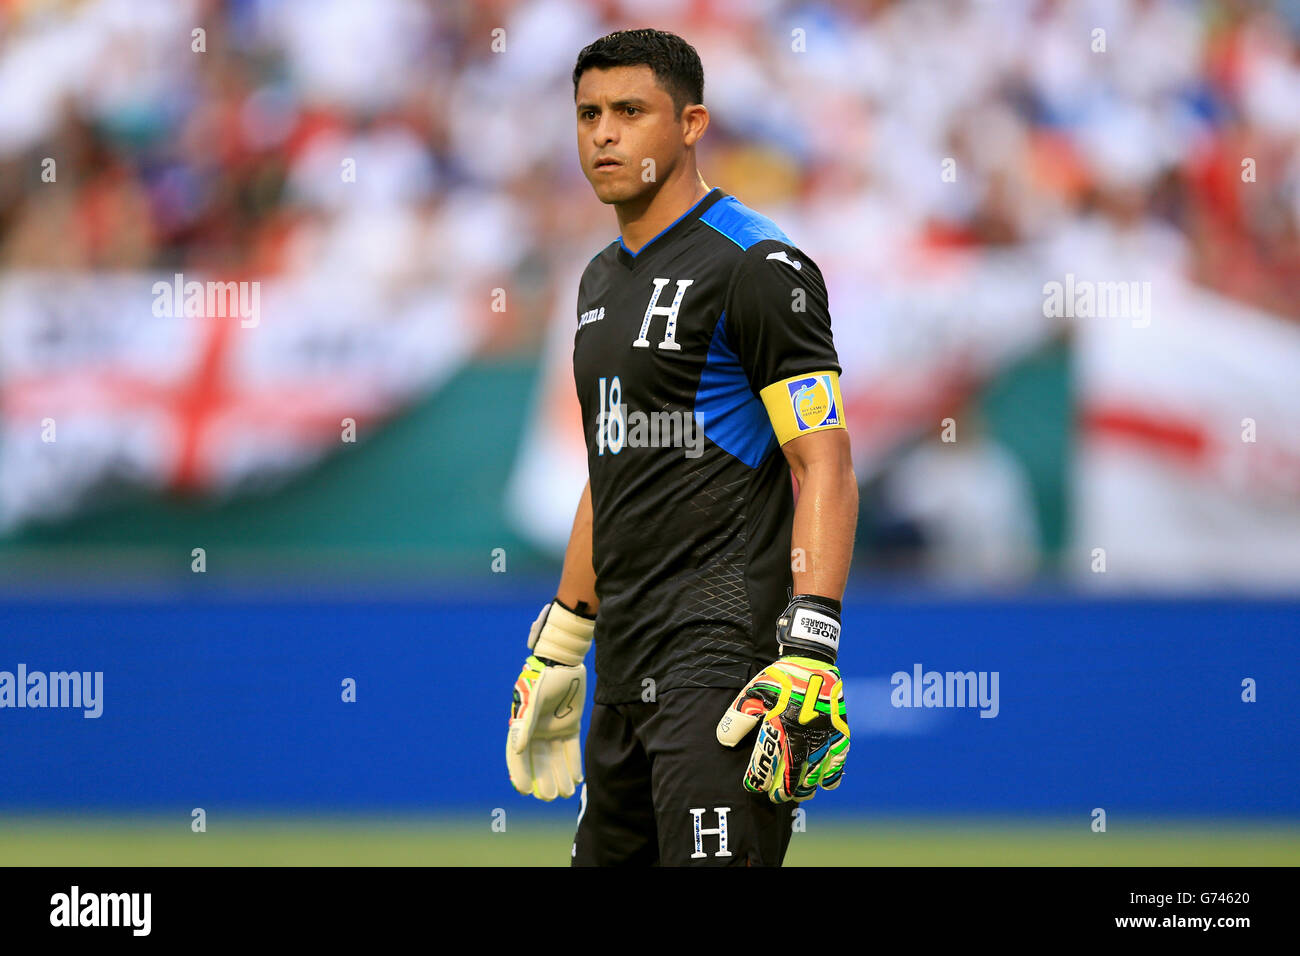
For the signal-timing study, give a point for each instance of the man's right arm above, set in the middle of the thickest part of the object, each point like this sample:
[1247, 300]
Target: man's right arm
[542, 750]
[577, 589]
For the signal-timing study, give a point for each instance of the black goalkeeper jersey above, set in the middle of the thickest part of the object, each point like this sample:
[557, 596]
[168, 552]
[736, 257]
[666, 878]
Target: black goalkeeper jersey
[695, 359]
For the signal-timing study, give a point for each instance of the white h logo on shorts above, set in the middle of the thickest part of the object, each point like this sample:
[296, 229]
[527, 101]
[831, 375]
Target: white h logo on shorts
[720, 830]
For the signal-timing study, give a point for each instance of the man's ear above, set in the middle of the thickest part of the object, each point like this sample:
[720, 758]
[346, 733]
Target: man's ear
[695, 120]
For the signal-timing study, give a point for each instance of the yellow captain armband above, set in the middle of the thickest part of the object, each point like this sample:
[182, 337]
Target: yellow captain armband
[803, 404]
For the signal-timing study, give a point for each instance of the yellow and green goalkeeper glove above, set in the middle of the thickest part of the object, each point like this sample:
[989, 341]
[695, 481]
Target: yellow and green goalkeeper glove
[798, 705]
[543, 754]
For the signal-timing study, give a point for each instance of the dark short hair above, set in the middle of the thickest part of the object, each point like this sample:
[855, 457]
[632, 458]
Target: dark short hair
[675, 63]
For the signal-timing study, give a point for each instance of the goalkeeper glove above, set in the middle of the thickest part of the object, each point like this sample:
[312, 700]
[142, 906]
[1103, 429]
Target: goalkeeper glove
[542, 751]
[803, 738]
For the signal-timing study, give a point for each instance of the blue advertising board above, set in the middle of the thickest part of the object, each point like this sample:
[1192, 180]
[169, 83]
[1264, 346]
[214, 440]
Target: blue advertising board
[1051, 705]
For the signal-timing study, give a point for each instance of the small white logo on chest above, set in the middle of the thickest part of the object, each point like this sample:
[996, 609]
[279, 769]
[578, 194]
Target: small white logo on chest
[591, 315]
[782, 257]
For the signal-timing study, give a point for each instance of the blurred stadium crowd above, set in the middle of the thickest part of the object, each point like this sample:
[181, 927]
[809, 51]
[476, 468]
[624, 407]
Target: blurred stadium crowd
[227, 159]
[1107, 131]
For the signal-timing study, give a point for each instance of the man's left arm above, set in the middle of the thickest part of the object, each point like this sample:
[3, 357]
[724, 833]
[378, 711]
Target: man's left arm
[825, 514]
[778, 322]
[797, 701]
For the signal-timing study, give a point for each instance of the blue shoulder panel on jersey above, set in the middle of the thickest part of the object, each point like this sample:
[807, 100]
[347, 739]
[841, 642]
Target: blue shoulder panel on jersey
[732, 416]
[741, 224]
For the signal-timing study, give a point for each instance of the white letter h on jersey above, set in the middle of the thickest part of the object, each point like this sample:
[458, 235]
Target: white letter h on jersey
[700, 832]
[670, 333]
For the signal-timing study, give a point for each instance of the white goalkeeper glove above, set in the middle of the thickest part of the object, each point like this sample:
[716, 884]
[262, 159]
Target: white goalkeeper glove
[543, 754]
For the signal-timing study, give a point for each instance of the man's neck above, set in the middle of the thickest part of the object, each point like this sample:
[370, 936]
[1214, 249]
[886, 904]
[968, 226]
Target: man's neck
[642, 222]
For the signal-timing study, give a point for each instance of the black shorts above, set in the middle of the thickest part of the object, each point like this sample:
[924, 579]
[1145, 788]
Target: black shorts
[661, 791]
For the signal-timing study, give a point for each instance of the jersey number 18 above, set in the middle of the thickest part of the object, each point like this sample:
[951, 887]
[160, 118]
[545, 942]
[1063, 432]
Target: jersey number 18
[611, 426]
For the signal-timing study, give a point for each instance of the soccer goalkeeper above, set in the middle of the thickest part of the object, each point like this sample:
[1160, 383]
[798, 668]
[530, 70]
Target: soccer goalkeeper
[713, 598]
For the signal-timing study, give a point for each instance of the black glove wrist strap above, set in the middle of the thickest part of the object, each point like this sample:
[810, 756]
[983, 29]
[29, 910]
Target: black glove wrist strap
[810, 627]
[582, 610]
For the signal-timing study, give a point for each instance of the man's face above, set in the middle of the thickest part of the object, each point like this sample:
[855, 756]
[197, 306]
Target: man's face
[624, 119]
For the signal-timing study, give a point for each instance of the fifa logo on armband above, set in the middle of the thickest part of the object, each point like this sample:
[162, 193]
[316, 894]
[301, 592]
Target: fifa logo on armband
[700, 832]
[813, 401]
